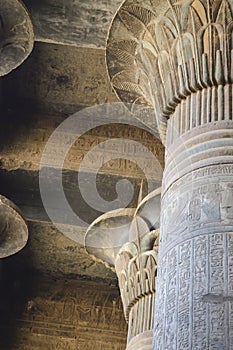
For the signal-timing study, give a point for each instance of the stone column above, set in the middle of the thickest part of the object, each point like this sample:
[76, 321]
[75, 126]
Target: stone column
[126, 241]
[136, 268]
[195, 281]
[180, 53]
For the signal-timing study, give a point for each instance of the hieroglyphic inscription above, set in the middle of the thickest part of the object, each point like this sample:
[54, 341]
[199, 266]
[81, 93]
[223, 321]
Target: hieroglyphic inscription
[194, 205]
[26, 151]
[200, 309]
[183, 304]
[217, 283]
[197, 282]
[161, 301]
[171, 302]
[229, 287]
[63, 314]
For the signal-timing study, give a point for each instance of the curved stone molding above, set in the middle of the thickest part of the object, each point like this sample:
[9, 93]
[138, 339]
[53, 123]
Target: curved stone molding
[110, 231]
[13, 229]
[136, 268]
[107, 234]
[16, 33]
[160, 53]
[142, 341]
[149, 209]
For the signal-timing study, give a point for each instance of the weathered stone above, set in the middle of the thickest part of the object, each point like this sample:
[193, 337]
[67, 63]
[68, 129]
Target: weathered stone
[195, 247]
[20, 152]
[62, 79]
[141, 341]
[54, 255]
[74, 22]
[176, 58]
[107, 234]
[123, 239]
[14, 231]
[52, 314]
[149, 209]
[23, 137]
[136, 268]
[16, 34]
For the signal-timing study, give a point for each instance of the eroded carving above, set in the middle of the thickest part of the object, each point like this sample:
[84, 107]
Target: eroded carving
[61, 316]
[13, 228]
[16, 34]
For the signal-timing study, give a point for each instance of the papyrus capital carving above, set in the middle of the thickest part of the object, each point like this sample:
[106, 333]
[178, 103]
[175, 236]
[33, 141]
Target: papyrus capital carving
[160, 53]
[135, 233]
[136, 268]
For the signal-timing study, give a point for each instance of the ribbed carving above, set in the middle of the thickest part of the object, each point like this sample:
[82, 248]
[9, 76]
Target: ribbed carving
[214, 104]
[159, 55]
[136, 267]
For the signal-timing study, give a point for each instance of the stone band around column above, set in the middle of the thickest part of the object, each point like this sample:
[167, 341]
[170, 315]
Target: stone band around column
[209, 144]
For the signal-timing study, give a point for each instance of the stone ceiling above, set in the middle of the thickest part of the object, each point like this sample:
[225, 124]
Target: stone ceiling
[65, 73]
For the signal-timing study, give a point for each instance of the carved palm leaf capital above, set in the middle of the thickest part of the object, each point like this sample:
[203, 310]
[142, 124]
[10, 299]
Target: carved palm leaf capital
[159, 53]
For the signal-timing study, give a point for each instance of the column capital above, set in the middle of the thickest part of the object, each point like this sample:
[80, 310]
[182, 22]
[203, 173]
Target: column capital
[126, 241]
[17, 37]
[136, 268]
[112, 231]
[13, 231]
[161, 52]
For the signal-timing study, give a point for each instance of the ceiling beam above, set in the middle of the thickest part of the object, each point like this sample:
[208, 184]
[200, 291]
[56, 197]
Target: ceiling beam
[72, 22]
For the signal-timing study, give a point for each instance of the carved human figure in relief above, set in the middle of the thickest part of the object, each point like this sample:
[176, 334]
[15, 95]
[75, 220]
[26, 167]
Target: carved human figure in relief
[211, 206]
[227, 203]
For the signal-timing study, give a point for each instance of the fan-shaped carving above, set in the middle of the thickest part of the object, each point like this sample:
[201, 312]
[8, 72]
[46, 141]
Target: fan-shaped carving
[182, 47]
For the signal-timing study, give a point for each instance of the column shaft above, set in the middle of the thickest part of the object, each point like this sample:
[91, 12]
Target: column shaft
[194, 306]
